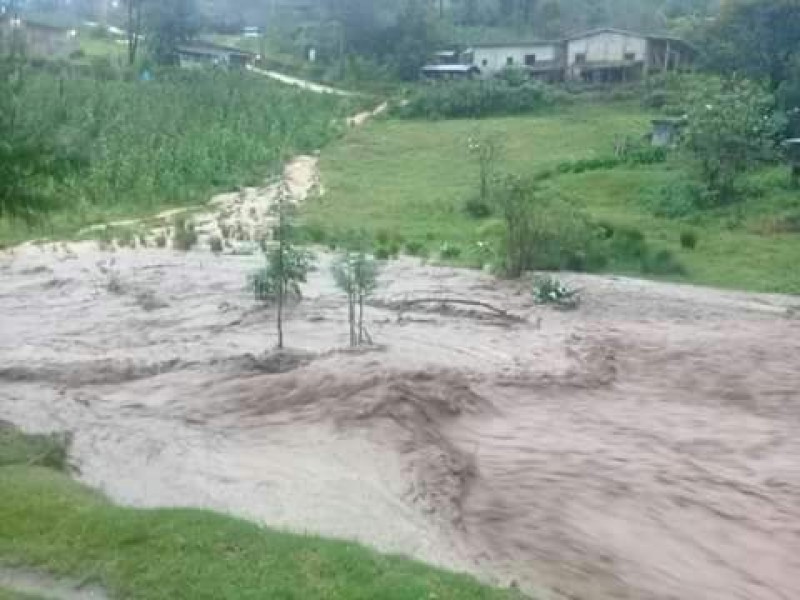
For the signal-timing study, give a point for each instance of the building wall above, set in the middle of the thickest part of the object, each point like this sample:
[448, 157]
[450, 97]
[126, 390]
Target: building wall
[606, 47]
[493, 59]
[38, 42]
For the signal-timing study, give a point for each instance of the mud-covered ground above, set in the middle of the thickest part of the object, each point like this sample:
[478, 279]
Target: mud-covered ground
[645, 446]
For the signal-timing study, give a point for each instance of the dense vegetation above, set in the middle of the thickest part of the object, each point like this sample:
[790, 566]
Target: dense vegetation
[49, 522]
[478, 99]
[605, 201]
[89, 148]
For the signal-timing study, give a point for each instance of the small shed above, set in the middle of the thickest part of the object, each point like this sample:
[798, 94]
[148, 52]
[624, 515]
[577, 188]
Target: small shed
[450, 71]
[666, 132]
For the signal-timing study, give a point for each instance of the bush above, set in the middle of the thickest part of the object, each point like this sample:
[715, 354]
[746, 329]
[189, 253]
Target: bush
[415, 248]
[678, 200]
[628, 242]
[550, 291]
[477, 208]
[661, 262]
[382, 253]
[216, 245]
[185, 237]
[477, 99]
[449, 251]
[688, 240]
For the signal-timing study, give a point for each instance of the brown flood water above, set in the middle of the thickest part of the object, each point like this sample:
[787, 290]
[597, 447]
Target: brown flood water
[645, 446]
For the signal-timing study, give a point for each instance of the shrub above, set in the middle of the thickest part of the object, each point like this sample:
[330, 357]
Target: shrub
[185, 237]
[477, 99]
[161, 241]
[628, 242]
[414, 248]
[216, 244]
[477, 208]
[688, 240]
[382, 253]
[550, 291]
[678, 200]
[661, 262]
[449, 251]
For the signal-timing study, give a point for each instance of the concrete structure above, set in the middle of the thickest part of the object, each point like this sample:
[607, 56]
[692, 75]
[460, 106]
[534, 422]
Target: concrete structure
[200, 54]
[541, 59]
[614, 55]
[34, 39]
[600, 55]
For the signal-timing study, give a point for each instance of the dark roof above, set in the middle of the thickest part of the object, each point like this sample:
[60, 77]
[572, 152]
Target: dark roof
[34, 24]
[649, 36]
[203, 47]
[516, 44]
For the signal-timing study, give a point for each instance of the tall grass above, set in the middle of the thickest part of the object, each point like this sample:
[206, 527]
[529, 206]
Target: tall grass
[132, 145]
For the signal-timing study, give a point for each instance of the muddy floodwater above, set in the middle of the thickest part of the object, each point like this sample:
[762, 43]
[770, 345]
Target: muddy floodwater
[645, 446]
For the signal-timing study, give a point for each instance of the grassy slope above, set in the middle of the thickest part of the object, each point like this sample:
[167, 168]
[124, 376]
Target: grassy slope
[412, 177]
[49, 522]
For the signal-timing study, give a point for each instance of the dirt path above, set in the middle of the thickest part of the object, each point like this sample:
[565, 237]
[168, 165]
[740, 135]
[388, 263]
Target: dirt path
[45, 587]
[302, 83]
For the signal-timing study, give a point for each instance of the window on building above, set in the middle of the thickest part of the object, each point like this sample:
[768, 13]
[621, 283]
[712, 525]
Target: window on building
[630, 56]
[580, 58]
[530, 60]
[510, 61]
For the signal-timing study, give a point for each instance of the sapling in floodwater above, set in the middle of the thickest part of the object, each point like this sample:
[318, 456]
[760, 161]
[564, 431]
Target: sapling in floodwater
[356, 274]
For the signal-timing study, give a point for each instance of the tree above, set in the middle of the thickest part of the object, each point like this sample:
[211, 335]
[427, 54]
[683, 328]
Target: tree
[287, 265]
[171, 23]
[356, 274]
[487, 151]
[732, 127]
[757, 38]
[134, 26]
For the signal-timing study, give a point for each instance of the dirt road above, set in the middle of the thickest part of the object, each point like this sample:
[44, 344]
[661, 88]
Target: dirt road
[642, 447]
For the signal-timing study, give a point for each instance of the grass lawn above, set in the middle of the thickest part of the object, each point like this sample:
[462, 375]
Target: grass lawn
[51, 523]
[409, 180]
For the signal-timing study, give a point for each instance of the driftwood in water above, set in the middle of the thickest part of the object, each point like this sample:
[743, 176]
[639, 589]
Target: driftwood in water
[493, 310]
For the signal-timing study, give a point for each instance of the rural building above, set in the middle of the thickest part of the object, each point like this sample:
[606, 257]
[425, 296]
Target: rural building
[543, 60]
[600, 55]
[614, 55]
[200, 54]
[35, 39]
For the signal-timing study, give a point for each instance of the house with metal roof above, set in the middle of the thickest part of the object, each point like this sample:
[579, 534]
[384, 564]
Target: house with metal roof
[615, 55]
[541, 59]
[199, 54]
[36, 39]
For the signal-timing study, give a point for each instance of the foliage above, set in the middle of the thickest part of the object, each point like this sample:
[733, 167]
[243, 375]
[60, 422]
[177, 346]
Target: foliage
[477, 100]
[17, 448]
[678, 199]
[356, 274]
[756, 38]
[731, 128]
[487, 150]
[688, 240]
[170, 24]
[184, 237]
[549, 290]
[477, 208]
[82, 148]
[449, 251]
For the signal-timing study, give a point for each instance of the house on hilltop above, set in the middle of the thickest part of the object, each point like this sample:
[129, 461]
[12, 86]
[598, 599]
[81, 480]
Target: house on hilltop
[542, 60]
[600, 55]
[614, 55]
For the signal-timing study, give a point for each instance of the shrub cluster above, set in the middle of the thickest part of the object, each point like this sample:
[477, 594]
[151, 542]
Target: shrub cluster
[477, 99]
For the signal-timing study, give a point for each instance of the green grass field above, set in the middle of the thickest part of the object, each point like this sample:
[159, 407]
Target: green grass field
[410, 179]
[50, 523]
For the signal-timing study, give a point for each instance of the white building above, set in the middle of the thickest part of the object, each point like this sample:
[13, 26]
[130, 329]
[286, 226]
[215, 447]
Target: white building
[543, 59]
[608, 55]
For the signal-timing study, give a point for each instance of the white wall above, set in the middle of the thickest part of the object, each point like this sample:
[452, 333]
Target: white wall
[607, 46]
[496, 57]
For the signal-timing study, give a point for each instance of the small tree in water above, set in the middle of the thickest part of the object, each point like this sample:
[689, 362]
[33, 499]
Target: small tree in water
[356, 274]
[287, 265]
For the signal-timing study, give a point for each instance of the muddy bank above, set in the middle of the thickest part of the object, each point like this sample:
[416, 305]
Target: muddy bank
[642, 447]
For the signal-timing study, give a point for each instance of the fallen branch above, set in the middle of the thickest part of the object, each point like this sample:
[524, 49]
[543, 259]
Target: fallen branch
[497, 312]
